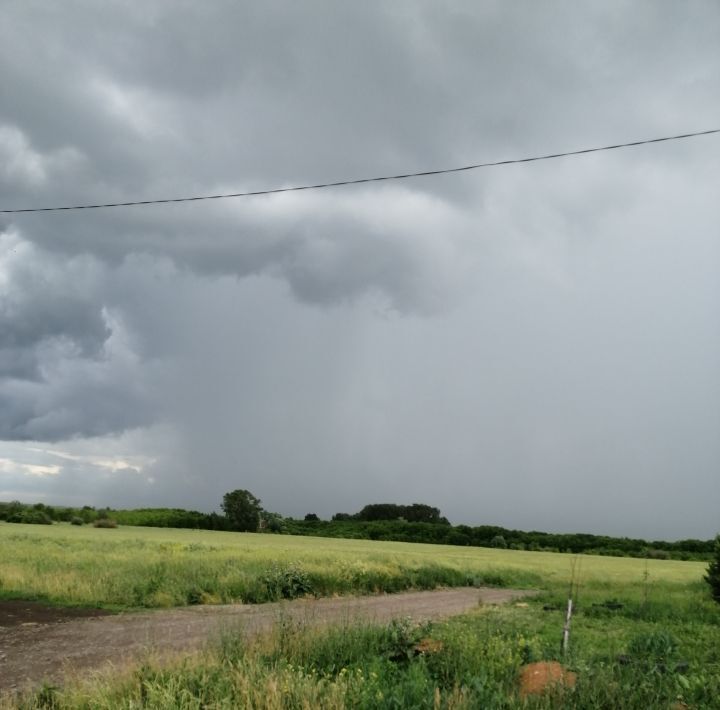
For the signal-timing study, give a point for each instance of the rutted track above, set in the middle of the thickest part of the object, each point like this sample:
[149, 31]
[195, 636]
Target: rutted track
[31, 653]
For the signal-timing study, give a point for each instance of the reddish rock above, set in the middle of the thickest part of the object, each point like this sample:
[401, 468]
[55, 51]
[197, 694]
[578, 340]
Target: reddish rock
[536, 678]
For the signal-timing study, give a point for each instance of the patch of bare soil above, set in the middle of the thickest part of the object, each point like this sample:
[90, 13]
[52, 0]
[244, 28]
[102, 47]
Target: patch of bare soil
[47, 650]
[15, 612]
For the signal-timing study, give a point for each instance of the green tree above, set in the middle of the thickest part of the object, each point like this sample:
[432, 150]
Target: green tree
[272, 522]
[415, 513]
[499, 541]
[242, 510]
[421, 513]
[713, 572]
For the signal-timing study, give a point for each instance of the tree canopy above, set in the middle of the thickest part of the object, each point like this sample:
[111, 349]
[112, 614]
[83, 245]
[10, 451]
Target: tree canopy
[242, 510]
[415, 513]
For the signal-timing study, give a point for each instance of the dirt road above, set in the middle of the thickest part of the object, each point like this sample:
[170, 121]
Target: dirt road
[40, 644]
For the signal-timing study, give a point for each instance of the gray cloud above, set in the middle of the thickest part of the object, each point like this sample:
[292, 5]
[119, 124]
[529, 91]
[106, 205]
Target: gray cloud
[45, 301]
[67, 365]
[533, 346]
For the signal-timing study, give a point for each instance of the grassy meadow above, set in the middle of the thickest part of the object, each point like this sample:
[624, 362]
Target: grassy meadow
[131, 567]
[645, 634]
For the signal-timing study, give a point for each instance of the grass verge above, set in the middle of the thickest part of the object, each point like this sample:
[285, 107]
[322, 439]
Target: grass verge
[652, 654]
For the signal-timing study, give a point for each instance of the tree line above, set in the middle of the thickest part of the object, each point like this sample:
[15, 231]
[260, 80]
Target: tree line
[504, 538]
[416, 522]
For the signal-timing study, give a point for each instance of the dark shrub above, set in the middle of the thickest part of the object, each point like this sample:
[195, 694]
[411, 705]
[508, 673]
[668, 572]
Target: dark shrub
[8, 510]
[274, 525]
[105, 523]
[76, 521]
[33, 517]
[713, 572]
[194, 595]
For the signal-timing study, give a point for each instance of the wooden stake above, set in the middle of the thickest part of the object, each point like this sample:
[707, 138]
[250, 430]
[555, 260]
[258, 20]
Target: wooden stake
[566, 628]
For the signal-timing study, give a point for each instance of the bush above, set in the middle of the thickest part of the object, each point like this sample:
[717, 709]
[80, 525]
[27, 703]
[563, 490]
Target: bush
[105, 523]
[272, 522]
[32, 517]
[713, 573]
[402, 637]
[287, 582]
[75, 520]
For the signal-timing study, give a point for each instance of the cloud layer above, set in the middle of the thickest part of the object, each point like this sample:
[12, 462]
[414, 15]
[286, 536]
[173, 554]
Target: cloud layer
[535, 346]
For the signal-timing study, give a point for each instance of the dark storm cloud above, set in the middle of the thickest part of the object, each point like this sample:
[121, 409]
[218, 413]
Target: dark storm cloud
[172, 101]
[534, 346]
[66, 367]
[42, 301]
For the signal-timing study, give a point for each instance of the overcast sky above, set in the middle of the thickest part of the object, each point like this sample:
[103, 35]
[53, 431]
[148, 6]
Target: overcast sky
[535, 346]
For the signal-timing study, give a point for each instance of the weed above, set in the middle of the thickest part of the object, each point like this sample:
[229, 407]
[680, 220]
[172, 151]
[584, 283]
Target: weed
[654, 645]
[402, 637]
[47, 698]
[286, 582]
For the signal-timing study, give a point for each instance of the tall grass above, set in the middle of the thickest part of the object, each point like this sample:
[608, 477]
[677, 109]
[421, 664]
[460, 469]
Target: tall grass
[149, 567]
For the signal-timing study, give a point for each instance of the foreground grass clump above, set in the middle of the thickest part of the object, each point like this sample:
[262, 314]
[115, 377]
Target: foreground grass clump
[713, 572]
[150, 567]
[622, 659]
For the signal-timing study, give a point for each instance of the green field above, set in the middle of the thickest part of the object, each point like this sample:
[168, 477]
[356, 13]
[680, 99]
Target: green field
[655, 646]
[155, 567]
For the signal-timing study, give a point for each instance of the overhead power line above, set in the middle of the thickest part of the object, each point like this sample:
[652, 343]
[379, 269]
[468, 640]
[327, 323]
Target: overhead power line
[358, 181]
